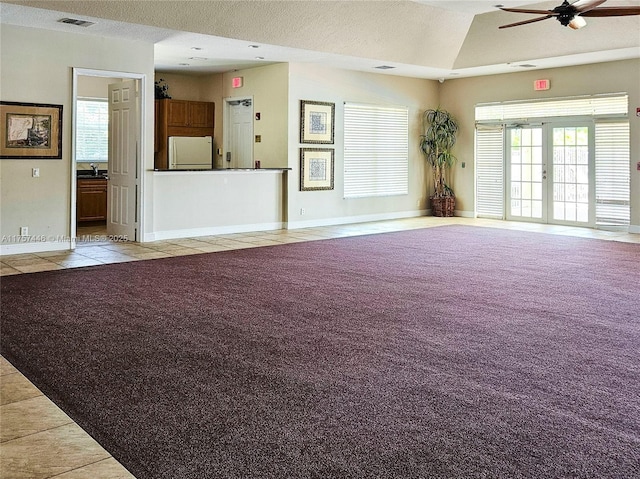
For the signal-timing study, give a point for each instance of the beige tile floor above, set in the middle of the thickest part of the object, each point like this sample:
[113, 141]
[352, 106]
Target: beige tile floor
[38, 440]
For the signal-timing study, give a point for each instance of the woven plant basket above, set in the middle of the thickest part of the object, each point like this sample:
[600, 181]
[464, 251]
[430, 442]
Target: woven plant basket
[443, 206]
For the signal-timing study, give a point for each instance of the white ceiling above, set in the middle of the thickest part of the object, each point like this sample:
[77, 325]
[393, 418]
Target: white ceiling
[420, 38]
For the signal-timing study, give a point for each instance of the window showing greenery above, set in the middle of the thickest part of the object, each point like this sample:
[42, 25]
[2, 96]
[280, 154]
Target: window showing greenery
[92, 130]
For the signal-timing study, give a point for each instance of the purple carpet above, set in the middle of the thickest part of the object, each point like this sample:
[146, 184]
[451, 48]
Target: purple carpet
[450, 352]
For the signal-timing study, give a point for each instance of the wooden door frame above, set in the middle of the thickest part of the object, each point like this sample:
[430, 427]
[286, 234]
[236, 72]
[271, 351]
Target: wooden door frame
[139, 206]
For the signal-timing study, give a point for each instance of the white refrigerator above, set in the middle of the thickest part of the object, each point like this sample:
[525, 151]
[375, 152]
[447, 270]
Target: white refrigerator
[190, 152]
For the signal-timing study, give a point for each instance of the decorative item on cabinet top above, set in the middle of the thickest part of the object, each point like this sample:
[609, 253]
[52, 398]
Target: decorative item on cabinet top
[162, 89]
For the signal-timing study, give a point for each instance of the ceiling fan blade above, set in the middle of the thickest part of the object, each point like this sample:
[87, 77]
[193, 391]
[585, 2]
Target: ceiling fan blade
[526, 10]
[526, 21]
[587, 6]
[611, 12]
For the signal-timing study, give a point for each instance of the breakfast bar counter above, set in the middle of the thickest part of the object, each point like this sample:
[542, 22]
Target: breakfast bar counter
[191, 203]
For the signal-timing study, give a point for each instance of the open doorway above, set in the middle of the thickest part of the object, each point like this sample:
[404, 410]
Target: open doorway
[105, 183]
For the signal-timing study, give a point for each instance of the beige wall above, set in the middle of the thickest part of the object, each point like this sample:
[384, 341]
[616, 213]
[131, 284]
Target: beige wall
[268, 86]
[44, 204]
[309, 82]
[461, 96]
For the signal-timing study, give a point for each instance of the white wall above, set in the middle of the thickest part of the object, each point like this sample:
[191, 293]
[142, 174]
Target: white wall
[199, 203]
[461, 96]
[44, 204]
[310, 82]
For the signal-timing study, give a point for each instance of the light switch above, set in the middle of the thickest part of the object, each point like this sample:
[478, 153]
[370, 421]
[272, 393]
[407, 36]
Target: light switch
[35, 172]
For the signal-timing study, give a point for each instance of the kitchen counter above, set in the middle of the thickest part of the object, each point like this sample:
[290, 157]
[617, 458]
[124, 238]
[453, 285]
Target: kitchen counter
[89, 175]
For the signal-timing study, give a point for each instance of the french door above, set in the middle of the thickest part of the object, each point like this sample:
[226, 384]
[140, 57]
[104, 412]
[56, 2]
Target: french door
[550, 173]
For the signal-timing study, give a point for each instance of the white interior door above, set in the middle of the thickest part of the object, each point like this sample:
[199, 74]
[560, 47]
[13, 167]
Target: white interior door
[124, 141]
[240, 151]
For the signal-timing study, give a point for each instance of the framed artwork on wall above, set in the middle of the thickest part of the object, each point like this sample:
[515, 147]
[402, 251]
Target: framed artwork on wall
[30, 131]
[316, 169]
[316, 122]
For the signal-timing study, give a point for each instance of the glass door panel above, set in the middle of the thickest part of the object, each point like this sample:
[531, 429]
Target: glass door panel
[526, 173]
[571, 179]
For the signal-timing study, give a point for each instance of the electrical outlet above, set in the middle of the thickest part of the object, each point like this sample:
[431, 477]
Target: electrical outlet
[35, 172]
[301, 211]
[24, 231]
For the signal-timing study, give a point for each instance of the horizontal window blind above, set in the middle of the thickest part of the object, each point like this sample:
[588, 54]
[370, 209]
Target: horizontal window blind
[587, 106]
[490, 172]
[613, 173]
[92, 130]
[376, 150]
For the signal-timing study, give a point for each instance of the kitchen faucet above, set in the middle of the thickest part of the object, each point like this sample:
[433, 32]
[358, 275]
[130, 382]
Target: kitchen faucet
[94, 168]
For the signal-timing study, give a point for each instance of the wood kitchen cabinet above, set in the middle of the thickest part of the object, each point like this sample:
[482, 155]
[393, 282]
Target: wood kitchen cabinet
[180, 118]
[91, 201]
[195, 114]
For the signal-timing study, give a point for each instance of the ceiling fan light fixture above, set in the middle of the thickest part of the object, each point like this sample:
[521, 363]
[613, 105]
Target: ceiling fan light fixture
[577, 23]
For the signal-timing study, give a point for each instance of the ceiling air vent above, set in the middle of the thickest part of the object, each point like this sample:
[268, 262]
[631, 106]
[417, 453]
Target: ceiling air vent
[74, 21]
[384, 67]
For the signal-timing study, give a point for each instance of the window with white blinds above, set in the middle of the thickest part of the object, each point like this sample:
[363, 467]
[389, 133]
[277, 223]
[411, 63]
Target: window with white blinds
[490, 172]
[613, 174]
[600, 105]
[376, 150]
[92, 130]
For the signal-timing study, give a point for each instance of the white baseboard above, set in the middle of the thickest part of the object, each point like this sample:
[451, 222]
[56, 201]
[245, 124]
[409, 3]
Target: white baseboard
[464, 214]
[210, 231]
[634, 229]
[35, 247]
[292, 225]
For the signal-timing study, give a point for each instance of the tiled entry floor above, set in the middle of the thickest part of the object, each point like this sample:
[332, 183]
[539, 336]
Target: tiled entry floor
[39, 441]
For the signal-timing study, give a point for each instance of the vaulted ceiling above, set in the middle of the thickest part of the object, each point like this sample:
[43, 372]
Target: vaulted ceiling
[421, 38]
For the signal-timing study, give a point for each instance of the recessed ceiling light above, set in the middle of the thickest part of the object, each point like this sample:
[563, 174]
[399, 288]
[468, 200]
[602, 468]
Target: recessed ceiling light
[196, 48]
[183, 64]
[259, 58]
[198, 58]
[384, 67]
[254, 46]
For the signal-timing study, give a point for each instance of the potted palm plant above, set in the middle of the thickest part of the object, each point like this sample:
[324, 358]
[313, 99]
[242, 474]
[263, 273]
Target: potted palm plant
[440, 130]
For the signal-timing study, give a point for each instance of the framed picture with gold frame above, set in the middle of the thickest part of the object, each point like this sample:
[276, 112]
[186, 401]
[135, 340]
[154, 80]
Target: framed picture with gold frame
[316, 169]
[316, 122]
[30, 131]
